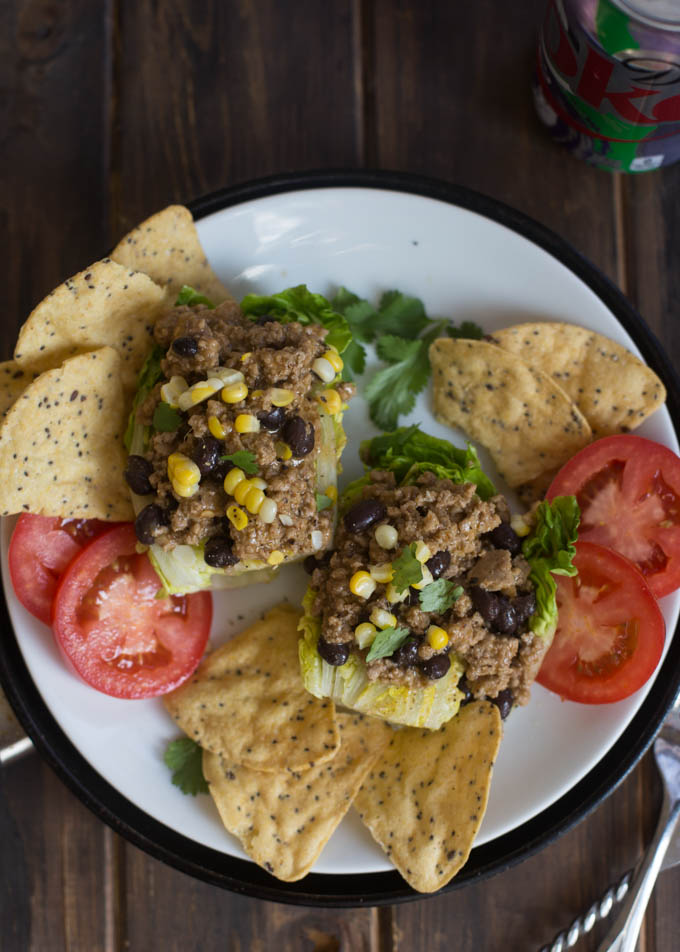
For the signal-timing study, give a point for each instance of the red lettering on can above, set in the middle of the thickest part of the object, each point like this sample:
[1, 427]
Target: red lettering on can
[592, 88]
[668, 110]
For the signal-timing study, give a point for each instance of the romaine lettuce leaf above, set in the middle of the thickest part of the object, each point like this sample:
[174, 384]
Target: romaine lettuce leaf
[408, 452]
[149, 376]
[550, 550]
[300, 304]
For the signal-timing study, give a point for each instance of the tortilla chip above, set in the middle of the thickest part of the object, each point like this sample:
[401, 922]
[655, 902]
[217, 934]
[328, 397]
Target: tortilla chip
[285, 819]
[246, 701]
[62, 443]
[167, 248]
[522, 416]
[105, 305]
[13, 381]
[612, 388]
[424, 800]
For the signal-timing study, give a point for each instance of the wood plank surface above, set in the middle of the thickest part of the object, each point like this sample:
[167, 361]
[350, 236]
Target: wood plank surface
[111, 111]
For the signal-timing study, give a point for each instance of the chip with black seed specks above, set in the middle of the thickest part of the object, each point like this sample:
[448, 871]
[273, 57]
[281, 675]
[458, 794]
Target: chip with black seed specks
[62, 441]
[424, 800]
[285, 819]
[167, 248]
[247, 702]
[104, 305]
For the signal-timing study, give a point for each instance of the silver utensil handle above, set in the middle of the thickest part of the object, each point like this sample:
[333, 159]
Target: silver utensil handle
[623, 935]
[15, 750]
[584, 923]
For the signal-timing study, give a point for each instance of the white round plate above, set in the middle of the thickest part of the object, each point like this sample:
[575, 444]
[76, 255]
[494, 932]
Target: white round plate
[464, 265]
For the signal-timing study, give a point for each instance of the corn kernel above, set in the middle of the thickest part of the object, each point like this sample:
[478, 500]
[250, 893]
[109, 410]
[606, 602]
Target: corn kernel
[437, 638]
[280, 397]
[237, 517]
[186, 492]
[232, 480]
[234, 393]
[330, 401]
[425, 580]
[254, 499]
[316, 539]
[386, 536]
[332, 493]
[241, 490]
[334, 359]
[246, 423]
[364, 634]
[256, 394]
[382, 573]
[283, 451]
[183, 470]
[258, 482]
[276, 557]
[362, 584]
[323, 369]
[268, 510]
[199, 392]
[383, 619]
[226, 375]
[216, 428]
[245, 356]
[520, 525]
[422, 551]
[393, 596]
[172, 390]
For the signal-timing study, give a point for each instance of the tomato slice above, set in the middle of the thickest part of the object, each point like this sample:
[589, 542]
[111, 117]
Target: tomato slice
[117, 633]
[40, 549]
[610, 632]
[628, 489]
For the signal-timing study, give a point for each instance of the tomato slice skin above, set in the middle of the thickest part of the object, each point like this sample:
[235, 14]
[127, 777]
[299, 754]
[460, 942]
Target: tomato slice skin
[40, 550]
[119, 636]
[628, 490]
[610, 633]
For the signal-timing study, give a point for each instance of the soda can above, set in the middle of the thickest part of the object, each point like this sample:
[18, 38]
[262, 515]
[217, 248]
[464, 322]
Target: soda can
[607, 81]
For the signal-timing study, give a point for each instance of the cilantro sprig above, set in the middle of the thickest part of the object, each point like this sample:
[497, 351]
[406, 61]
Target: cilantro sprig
[402, 332]
[386, 643]
[185, 758]
[439, 596]
[166, 419]
[407, 569]
[323, 502]
[244, 459]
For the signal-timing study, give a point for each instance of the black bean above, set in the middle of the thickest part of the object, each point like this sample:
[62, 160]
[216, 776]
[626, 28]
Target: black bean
[218, 552]
[406, 655]
[505, 622]
[363, 514]
[299, 436]
[137, 472]
[206, 454]
[185, 346]
[265, 319]
[150, 518]
[413, 597]
[505, 537]
[439, 563]
[316, 561]
[503, 702]
[220, 469]
[436, 666]
[465, 688]
[335, 654]
[486, 603]
[525, 606]
[272, 420]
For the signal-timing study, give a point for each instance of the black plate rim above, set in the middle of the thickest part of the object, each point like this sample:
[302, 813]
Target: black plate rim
[368, 889]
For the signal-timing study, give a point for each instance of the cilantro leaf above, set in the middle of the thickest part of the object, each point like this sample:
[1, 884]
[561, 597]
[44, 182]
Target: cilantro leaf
[467, 329]
[439, 596]
[400, 314]
[407, 569]
[244, 460]
[393, 390]
[166, 419]
[323, 502]
[358, 313]
[187, 296]
[386, 643]
[185, 758]
[354, 360]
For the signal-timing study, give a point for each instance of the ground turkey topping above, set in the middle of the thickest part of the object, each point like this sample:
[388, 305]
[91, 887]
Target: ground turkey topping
[468, 542]
[274, 362]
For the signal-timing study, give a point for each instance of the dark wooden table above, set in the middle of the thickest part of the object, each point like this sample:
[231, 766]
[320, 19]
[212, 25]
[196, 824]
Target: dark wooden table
[113, 109]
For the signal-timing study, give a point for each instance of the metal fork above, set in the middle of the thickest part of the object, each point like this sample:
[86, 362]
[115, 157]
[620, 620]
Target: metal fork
[623, 935]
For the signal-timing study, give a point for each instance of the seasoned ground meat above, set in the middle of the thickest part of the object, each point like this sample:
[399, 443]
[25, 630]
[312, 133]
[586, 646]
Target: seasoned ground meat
[486, 625]
[271, 357]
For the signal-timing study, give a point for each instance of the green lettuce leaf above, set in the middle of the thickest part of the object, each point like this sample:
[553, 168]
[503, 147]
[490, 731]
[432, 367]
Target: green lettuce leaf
[550, 550]
[187, 296]
[300, 304]
[149, 376]
[408, 452]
